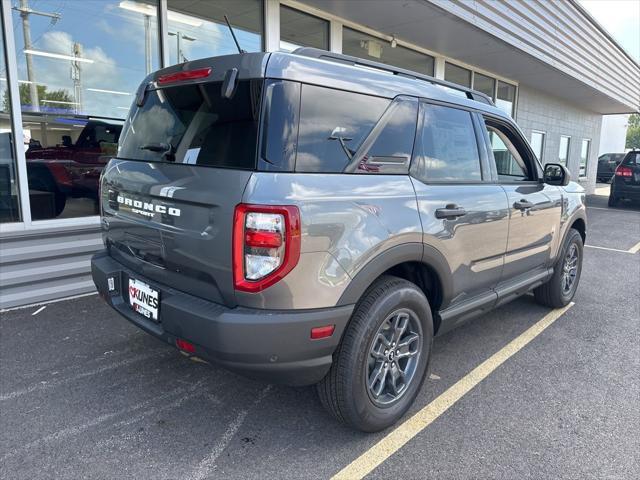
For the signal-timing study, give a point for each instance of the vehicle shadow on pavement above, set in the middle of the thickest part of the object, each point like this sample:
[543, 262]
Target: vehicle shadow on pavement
[111, 400]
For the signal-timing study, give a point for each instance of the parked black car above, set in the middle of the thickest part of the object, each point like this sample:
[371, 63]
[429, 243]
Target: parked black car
[607, 164]
[626, 181]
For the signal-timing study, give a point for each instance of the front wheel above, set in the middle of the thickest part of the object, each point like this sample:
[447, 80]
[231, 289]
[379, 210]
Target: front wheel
[562, 286]
[383, 358]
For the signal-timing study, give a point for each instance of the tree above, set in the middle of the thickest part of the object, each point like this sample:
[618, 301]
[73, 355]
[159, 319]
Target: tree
[633, 131]
[60, 95]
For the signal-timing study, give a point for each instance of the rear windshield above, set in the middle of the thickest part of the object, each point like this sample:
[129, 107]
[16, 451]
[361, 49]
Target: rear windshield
[195, 124]
[632, 158]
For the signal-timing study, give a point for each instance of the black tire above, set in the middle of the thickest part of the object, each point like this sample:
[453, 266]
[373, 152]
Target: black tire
[613, 200]
[345, 392]
[553, 293]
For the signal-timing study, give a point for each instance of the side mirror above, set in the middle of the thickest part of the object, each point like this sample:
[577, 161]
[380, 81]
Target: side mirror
[556, 174]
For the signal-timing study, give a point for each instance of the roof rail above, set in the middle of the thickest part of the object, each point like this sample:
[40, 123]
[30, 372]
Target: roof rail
[401, 72]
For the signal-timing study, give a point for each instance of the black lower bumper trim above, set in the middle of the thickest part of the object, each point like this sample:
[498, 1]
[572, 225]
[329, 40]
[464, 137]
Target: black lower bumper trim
[272, 345]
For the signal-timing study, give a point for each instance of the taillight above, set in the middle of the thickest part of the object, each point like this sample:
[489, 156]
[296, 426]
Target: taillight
[623, 171]
[184, 75]
[266, 245]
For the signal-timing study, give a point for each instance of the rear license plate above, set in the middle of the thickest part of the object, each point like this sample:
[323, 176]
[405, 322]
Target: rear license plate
[144, 299]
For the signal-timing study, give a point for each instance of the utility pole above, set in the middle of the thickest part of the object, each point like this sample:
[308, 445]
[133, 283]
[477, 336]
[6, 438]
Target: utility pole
[179, 37]
[147, 43]
[25, 11]
[76, 76]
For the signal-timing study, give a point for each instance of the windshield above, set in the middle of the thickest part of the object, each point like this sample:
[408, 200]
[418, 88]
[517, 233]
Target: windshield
[195, 124]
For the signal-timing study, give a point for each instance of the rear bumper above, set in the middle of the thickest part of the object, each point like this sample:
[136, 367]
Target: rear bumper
[621, 189]
[271, 345]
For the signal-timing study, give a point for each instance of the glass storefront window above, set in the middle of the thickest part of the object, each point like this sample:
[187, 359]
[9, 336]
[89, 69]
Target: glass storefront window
[298, 29]
[197, 28]
[358, 44]
[484, 84]
[537, 144]
[456, 74]
[9, 205]
[584, 156]
[506, 97]
[78, 68]
[563, 151]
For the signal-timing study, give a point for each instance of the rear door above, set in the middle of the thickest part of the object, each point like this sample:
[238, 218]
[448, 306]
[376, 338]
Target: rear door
[534, 207]
[184, 159]
[464, 215]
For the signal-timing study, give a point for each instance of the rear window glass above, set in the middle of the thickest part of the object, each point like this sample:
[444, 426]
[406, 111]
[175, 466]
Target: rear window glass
[194, 124]
[632, 158]
[333, 124]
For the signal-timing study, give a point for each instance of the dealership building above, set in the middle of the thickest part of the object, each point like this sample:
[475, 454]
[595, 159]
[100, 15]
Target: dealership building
[69, 70]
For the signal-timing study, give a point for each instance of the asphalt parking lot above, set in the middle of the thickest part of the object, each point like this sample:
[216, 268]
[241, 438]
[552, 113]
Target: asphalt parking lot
[83, 394]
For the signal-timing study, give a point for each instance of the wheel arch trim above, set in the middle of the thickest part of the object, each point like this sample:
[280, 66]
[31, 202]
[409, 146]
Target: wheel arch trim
[407, 252]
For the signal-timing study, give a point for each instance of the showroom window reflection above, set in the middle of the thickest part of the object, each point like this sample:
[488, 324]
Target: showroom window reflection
[77, 70]
[502, 93]
[197, 28]
[9, 204]
[299, 29]
[362, 45]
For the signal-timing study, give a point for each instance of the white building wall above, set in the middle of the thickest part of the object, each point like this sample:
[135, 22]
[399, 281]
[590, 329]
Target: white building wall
[554, 116]
[614, 134]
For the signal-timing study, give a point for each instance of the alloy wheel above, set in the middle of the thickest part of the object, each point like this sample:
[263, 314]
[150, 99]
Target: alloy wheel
[570, 269]
[393, 357]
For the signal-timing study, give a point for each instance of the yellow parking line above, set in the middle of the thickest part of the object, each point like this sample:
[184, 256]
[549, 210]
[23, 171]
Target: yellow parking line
[395, 440]
[635, 248]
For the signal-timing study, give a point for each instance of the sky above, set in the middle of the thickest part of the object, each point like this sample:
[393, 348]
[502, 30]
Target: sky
[621, 18]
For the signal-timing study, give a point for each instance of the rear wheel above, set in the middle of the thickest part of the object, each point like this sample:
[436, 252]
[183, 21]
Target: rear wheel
[613, 200]
[562, 286]
[383, 357]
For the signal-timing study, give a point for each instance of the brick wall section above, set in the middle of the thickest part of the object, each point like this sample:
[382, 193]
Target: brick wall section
[556, 117]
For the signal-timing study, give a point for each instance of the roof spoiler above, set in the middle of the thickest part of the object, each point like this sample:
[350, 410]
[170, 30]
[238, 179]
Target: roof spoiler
[401, 72]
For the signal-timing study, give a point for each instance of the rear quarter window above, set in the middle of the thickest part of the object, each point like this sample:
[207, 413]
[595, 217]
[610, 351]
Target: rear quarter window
[333, 125]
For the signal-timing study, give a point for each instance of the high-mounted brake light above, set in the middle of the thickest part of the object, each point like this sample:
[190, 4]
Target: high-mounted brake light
[183, 76]
[266, 245]
[623, 171]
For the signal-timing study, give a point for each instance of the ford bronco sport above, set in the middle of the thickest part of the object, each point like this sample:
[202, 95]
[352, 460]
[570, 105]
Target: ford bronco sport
[313, 218]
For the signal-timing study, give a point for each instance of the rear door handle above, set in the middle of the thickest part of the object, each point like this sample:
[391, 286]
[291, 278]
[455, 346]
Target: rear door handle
[523, 205]
[450, 211]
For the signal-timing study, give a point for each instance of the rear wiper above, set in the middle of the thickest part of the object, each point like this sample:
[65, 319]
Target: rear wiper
[164, 148]
[336, 135]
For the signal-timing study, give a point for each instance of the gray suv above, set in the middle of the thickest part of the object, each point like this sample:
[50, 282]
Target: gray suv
[313, 218]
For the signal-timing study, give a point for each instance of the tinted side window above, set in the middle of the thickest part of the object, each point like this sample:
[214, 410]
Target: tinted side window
[446, 148]
[333, 125]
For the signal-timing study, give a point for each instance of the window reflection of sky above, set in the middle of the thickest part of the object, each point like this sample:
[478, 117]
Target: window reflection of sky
[113, 39]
